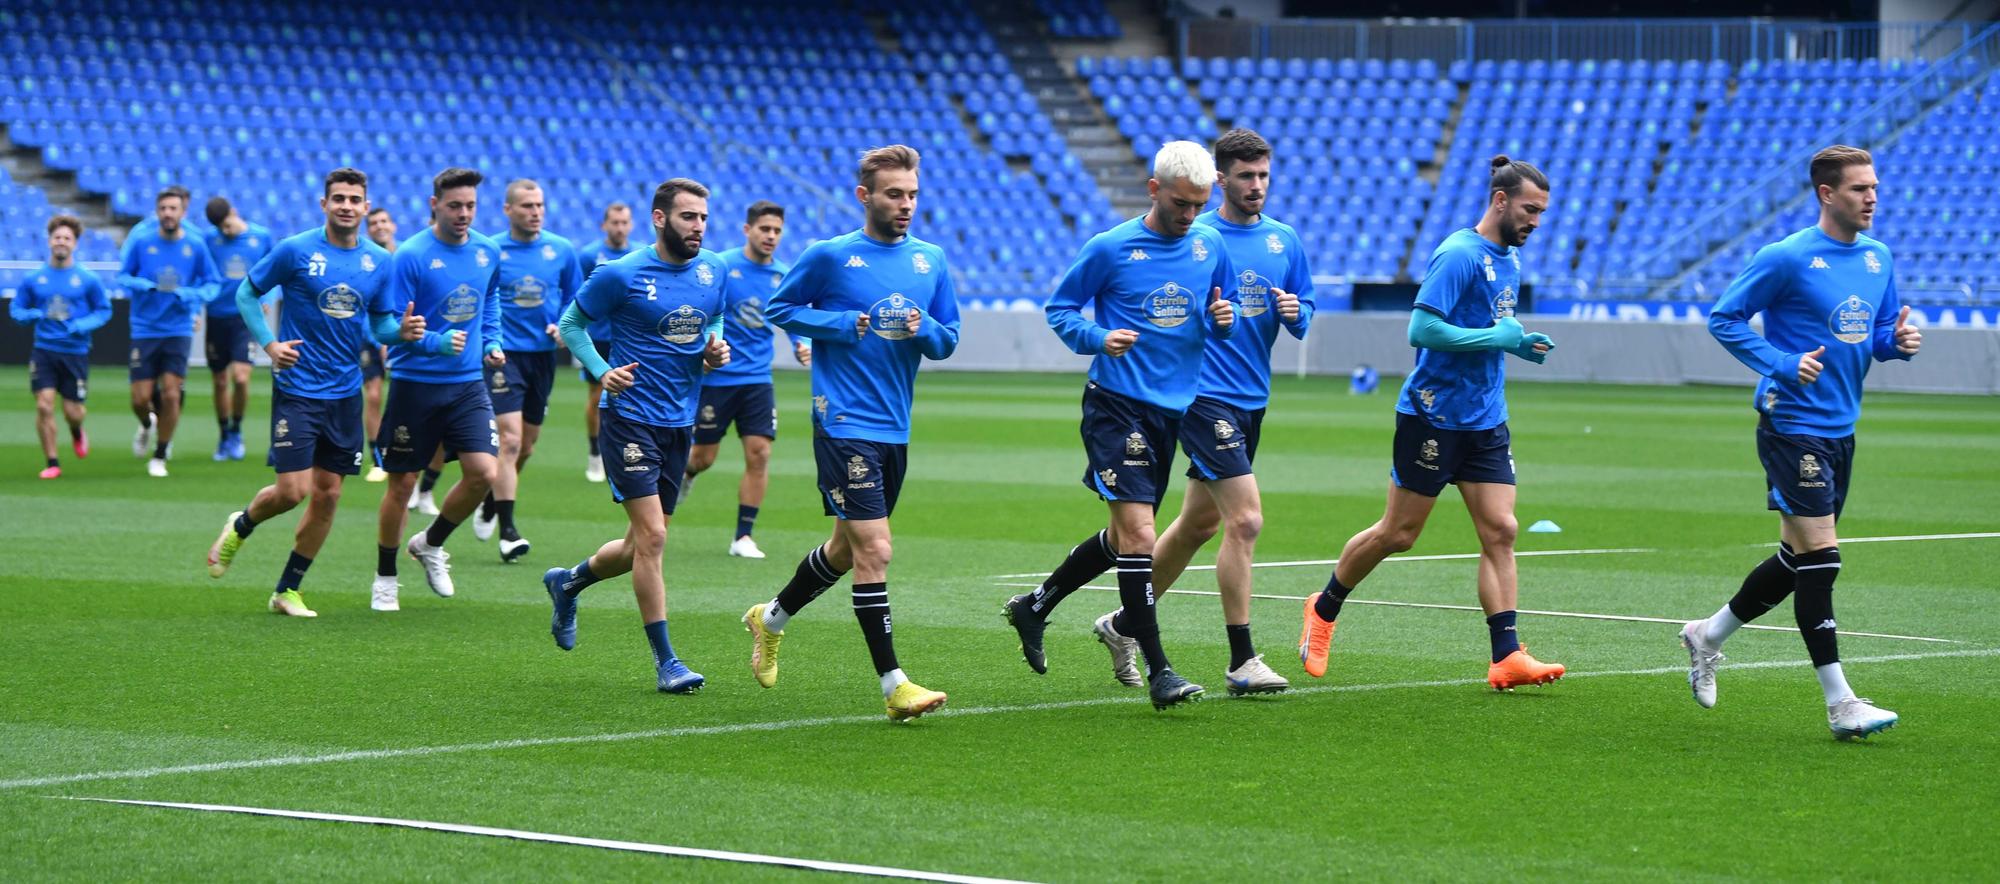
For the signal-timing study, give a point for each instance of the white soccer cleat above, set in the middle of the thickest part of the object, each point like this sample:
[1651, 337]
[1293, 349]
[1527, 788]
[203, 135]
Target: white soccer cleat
[425, 503]
[1856, 718]
[687, 487]
[375, 474]
[382, 596]
[484, 525]
[1254, 677]
[1124, 651]
[1702, 660]
[511, 551]
[436, 562]
[157, 468]
[745, 548]
[142, 441]
[593, 468]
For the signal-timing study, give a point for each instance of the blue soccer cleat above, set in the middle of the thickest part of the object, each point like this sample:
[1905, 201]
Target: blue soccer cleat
[677, 678]
[562, 624]
[235, 443]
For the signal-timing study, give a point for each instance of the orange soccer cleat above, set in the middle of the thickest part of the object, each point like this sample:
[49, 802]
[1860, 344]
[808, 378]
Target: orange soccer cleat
[1519, 669]
[1315, 638]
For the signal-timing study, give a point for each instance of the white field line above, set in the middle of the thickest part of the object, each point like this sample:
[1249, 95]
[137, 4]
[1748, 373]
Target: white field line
[795, 723]
[760, 859]
[1578, 615]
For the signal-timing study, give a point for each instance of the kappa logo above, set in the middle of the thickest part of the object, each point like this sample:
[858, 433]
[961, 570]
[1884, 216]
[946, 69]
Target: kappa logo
[1874, 263]
[1809, 467]
[1275, 245]
[1200, 250]
[920, 264]
[152, 250]
[855, 261]
[704, 274]
[437, 263]
[548, 253]
[1139, 255]
[632, 454]
[776, 279]
[1223, 430]
[1135, 445]
[187, 251]
[253, 242]
[503, 256]
[367, 263]
[1108, 478]
[402, 435]
[1818, 263]
[735, 274]
[857, 468]
[1826, 624]
[282, 430]
[479, 257]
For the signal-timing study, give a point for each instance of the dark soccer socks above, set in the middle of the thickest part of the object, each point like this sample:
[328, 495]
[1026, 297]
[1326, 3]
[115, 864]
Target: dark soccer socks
[429, 480]
[1766, 586]
[1812, 603]
[1327, 603]
[1240, 649]
[1085, 563]
[294, 573]
[1500, 629]
[245, 524]
[871, 608]
[1137, 619]
[385, 561]
[656, 636]
[504, 510]
[746, 520]
[580, 578]
[813, 576]
[439, 531]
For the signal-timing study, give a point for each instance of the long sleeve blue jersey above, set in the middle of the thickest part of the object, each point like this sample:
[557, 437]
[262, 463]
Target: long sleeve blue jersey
[1471, 283]
[748, 286]
[862, 387]
[167, 279]
[456, 288]
[64, 304]
[601, 252]
[538, 279]
[1266, 255]
[661, 316]
[1134, 278]
[1814, 291]
[234, 256]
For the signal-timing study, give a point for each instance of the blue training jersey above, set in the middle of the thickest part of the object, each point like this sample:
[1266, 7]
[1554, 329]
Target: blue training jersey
[327, 293]
[661, 316]
[746, 288]
[1814, 291]
[538, 279]
[234, 256]
[1471, 283]
[455, 288]
[182, 275]
[1266, 255]
[1134, 278]
[862, 387]
[72, 302]
[600, 252]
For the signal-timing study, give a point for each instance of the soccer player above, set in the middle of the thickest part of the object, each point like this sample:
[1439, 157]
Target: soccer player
[875, 302]
[1451, 422]
[1220, 429]
[168, 274]
[1156, 285]
[330, 279]
[1828, 295]
[449, 273]
[741, 393]
[374, 357]
[539, 276]
[616, 243]
[65, 303]
[666, 304]
[236, 246]
[382, 229]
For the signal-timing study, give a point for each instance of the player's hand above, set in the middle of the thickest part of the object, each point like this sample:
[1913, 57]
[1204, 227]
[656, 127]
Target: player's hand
[861, 325]
[284, 354]
[620, 379]
[716, 354]
[1809, 365]
[1535, 347]
[1119, 341]
[1288, 305]
[453, 342]
[170, 286]
[804, 354]
[32, 314]
[1223, 312]
[1908, 339]
[555, 334]
[915, 322]
[412, 327]
[494, 358]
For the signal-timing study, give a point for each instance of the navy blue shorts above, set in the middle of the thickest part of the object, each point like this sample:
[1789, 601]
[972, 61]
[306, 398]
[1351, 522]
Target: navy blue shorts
[153, 357]
[753, 408]
[1220, 439]
[858, 479]
[228, 341]
[1429, 458]
[324, 433]
[371, 363]
[642, 460]
[67, 373]
[419, 417]
[1129, 445]
[523, 384]
[1804, 475]
[603, 352]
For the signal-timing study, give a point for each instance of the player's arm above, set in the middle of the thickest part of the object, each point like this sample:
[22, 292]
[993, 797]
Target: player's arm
[1450, 274]
[937, 334]
[270, 272]
[1752, 291]
[570, 282]
[1299, 285]
[392, 309]
[598, 297]
[128, 271]
[1065, 307]
[100, 307]
[792, 307]
[1894, 337]
[489, 318]
[207, 281]
[24, 308]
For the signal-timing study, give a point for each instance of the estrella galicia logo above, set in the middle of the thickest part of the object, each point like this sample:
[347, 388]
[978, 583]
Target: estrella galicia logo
[1851, 320]
[236, 267]
[340, 301]
[1504, 303]
[1169, 305]
[529, 291]
[890, 317]
[461, 304]
[1255, 293]
[682, 325]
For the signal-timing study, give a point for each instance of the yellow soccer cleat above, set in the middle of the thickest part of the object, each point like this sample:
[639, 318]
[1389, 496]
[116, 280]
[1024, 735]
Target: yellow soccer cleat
[910, 700]
[763, 646]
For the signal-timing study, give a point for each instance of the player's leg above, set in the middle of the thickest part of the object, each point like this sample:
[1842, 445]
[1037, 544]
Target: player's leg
[1199, 521]
[593, 463]
[423, 494]
[1402, 522]
[712, 419]
[756, 420]
[500, 497]
[1491, 505]
[45, 429]
[72, 386]
[1242, 511]
[700, 458]
[239, 380]
[143, 382]
[1135, 623]
[172, 397]
[870, 541]
[215, 341]
[371, 416]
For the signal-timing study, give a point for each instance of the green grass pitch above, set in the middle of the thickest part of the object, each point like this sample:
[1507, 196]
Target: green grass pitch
[121, 655]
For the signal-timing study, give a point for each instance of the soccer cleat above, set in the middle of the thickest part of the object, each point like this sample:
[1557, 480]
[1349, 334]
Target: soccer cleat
[1855, 718]
[1315, 640]
[423, 502]
[375, 474]
[81, 445]
[681, 498]
[436, 562]
[1702, 658]
[1019, 614]
[1254, 677]
[484, 523]
[223, 551]
[51, 472]
[1518, 669]
[677, 678]
[911, 700]
[511, 551]
[382, 596]
[745, 548]
[142, 441]
[1124, 651]
[157, 468]
[1169, 689]
[593, 469]
[563, 624]
[763, 646]
[221, 448]
[236, 449]
[290, 604]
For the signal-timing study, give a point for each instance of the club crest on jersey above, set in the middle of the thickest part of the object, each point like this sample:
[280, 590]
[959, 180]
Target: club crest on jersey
[704, 274]
[1200, 249]
[1169, 305]
[340, 301]
[402, 435]
[461, 304]
[683, 325]
[1851, 320]
[529, 291]
[1223, 430]
[548, 253]
[855, 261]
[776, 279]
[1818, 263]
[1139, 255]
[1135, 445]
[890, 317]
[920, 264]
[367, 263]
[857, 468]
[282, 430]
[1274, 245]
[632, 454]
[187, 251]
[479, 257]
[1874, 263]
